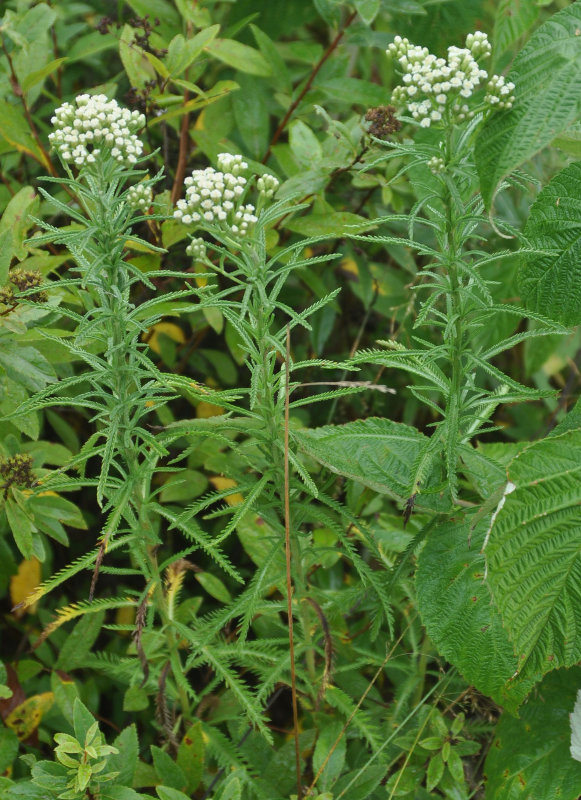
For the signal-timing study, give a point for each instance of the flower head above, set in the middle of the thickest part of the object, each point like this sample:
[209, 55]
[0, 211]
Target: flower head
[95, 124]
[435, 90]
[215, 197]
[140, 197]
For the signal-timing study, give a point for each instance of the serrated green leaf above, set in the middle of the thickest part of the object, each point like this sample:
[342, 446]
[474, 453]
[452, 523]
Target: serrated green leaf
[530, 757]
[456, 608]
[190, 757]
[334, 766]
[534, 554]
[551, 284]
[513, 18]
[378, 453]
[547, 76]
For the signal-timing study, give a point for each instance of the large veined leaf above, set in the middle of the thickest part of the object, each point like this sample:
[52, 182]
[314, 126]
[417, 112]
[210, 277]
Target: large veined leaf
[512, 20]
[529, 757]
[458, 613]
[547, 76]
[551, 283]
[380, 454]
[534, 554]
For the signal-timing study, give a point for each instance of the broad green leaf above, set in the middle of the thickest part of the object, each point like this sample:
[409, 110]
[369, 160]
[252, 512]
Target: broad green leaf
[183, 52]
[190, 757]
[82, 719]
[529, 757]
[304, 144]
[40, 74]
[575, 719]
[547, 76]
[185, 485]
[5, 255]
[8, 747]
[135, 699]
[513, 19]
[36, 22]
[551, 284]
[457, 611]
[16, 217]
[334, 766]
[569, 141]
[167, 770]
[534, 554]
[21, 526]
[121, 793]
[26, 366]
[250, 106]
[137, 66]
[214, 586]
[240, 56]
[378, 453]
[167, 793]
[90, 44]
[367, 9]
[329, 10]
[340, 223]
[79, 641]
[14, 128]
[280, 76]
[353, 91]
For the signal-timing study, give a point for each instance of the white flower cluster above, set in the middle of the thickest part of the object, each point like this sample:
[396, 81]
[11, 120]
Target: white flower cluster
[196, 249]
[434, 89]
[214, 197]
[234, 165]
[436, 164]
[95, 123]
[499, 92]
[267, 185]
[140, 196]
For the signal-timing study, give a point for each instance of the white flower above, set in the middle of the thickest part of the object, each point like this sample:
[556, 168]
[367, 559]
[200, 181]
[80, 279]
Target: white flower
[196, 249]
[95, 117]
[268, 184]
[140, 196]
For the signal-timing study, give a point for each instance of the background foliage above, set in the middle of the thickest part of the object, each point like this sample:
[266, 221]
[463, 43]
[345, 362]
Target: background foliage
[412, 669]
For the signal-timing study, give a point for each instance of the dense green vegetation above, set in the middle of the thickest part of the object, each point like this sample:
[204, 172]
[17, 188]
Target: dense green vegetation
[290, 443]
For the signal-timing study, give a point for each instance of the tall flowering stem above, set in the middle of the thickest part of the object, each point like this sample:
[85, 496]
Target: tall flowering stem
[98, 144]
[452, 97]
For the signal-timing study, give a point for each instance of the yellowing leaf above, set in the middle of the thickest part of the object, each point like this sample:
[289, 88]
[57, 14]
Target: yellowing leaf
[26, 580]
[205, 410]
[220, 483]
[349, 266]
[25, 718]
[167, 329]
[125, 616]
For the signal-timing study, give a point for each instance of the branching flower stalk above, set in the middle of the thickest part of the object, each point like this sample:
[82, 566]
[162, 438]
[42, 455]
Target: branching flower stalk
[247, 289]
[458, 382]
[98, 139]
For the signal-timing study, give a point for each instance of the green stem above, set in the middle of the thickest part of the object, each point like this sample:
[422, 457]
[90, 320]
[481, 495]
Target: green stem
[455, 302]
[273, 421]
[118, 355]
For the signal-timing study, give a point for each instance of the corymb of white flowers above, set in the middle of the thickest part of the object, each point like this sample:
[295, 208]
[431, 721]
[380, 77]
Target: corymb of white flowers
[214, 197]
[94, 124]
[436, 90]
